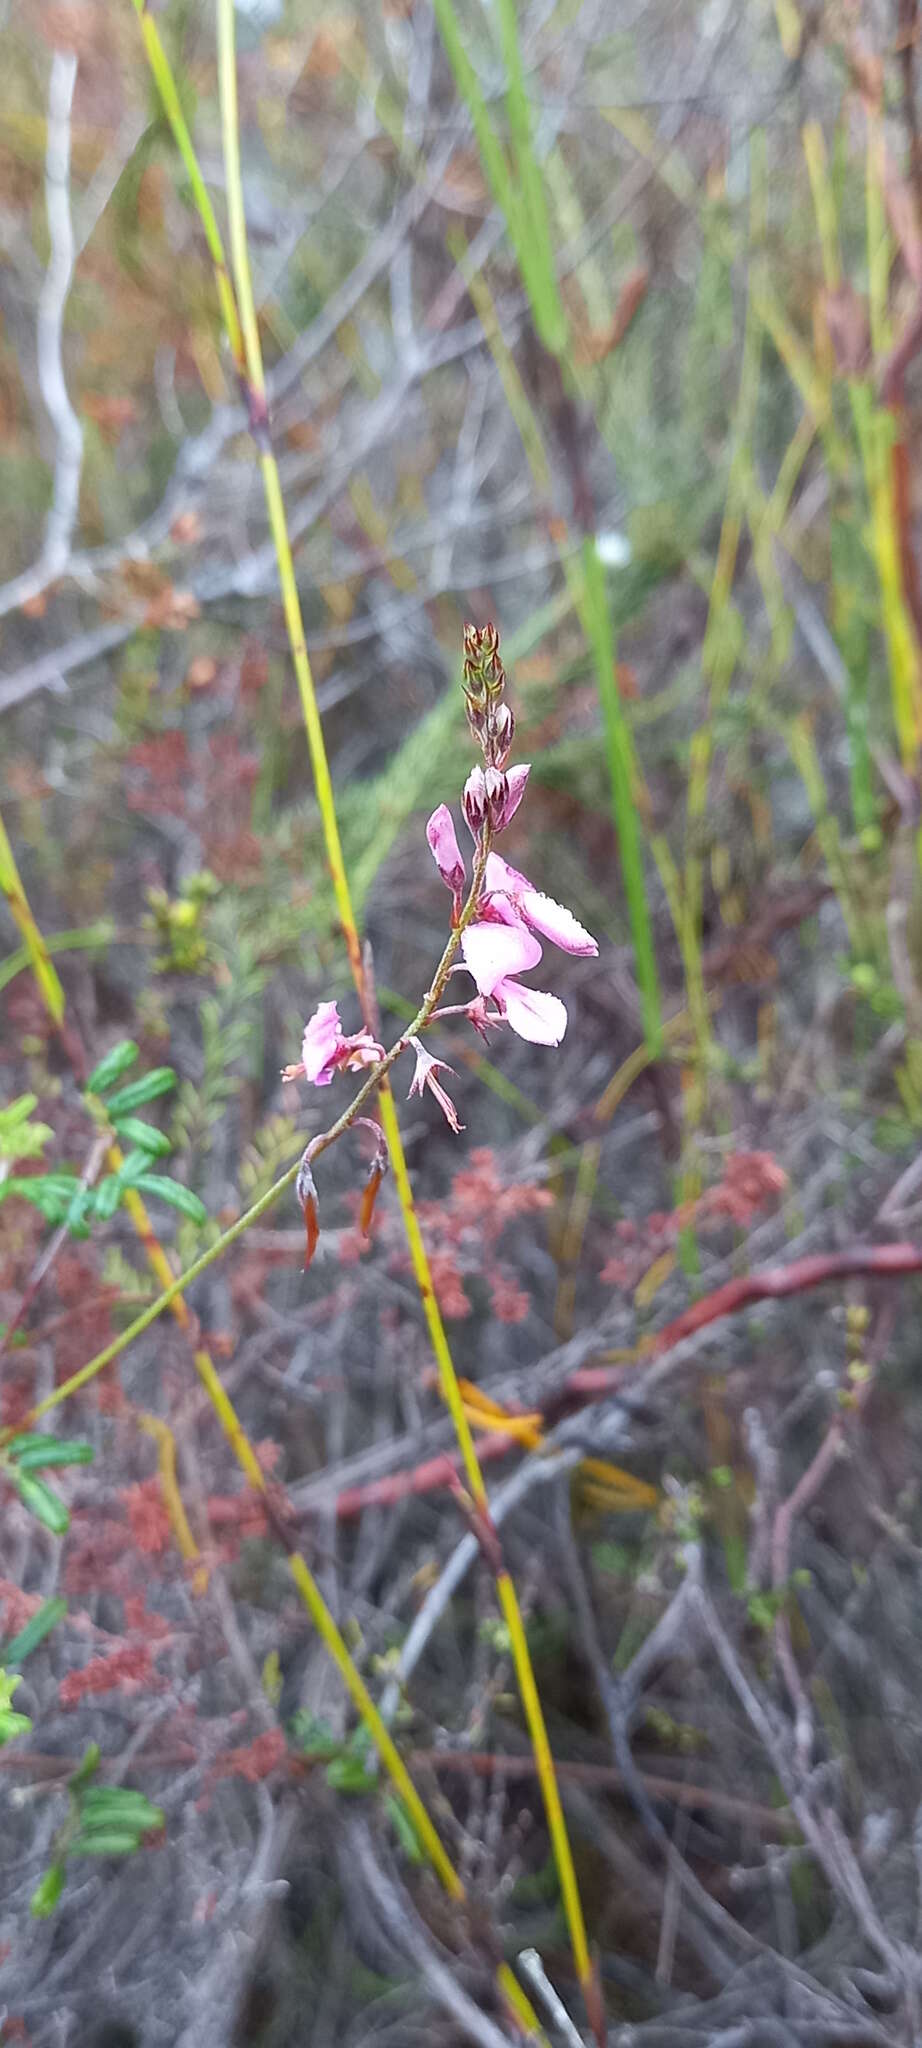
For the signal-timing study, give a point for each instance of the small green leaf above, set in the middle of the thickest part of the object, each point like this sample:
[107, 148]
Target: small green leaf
[404, 1830]
[172, 1191]
[107, 1197]
[77, 1213]
[47, 1892]
[313, 1734]
[114, 1842]
[349, 1774]
[145, 1136]
[51, 1193]
[17, 1112]
[19, 1137]
[109, 1806]
[42, 1503]
[88, 1765]
[36, 1629]
[134, 1163]
[158, 1082]
[12, 1724]
[8, 1683]
[54, 1451]
[112, 1066]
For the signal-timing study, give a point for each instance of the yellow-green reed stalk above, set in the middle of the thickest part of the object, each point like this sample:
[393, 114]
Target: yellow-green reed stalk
[172, 107]
[256, 393]
[876, 428]
[172, 1298]
[849, 619]
[90, 938]
[35, 947]
[52, 994]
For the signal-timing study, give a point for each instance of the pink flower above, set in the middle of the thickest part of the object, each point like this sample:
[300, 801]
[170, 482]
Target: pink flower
[424, 1077]
[445, 851]
[494, 954]
[501, 945]
[514, 899]
[326, 1049]
[516, 779]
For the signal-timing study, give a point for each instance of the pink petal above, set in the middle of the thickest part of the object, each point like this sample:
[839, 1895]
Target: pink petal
[444, 848]
[532, 1014]
[517, 779]
[323, 1036]
[541, 912]
[500, 876]
[494, 950]
[556, 922]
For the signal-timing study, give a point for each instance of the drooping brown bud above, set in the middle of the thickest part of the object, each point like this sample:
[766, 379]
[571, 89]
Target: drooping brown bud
[306, 1191]
[376, 1175]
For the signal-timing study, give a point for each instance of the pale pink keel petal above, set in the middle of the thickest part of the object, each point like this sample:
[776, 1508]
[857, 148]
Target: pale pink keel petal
[556, 923]
[499, 875]
[444, 848]
[552, 919]
[494, 950]
[516, 779]
[323, 1038]
[532, 1014]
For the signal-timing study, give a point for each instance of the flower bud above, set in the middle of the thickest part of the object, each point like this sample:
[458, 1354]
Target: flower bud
[444, 848]
[515, 780]
[496, 791]
[499, 735]
[474, 801]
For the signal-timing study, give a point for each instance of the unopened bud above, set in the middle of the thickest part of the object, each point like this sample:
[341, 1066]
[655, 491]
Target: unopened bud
[474, 801]
[501, 733]
[496, 790]
[515, 780]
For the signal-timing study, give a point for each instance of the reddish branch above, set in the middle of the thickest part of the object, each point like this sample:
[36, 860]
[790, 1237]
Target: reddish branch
[593, 1383]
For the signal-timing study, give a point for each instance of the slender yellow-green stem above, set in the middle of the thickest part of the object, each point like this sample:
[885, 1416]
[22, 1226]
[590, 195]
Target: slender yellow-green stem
[255, 382]
[88, 939]
[172, 107]
[36, 949]
[227, 80]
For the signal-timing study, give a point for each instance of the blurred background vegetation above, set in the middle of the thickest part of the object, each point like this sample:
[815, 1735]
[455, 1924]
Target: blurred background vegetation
[601, 321]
